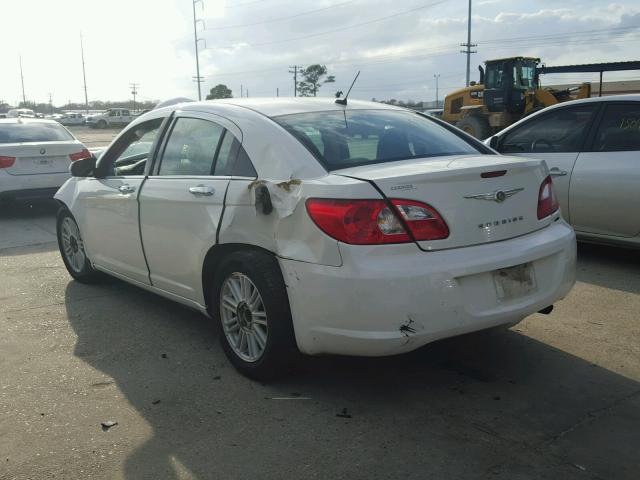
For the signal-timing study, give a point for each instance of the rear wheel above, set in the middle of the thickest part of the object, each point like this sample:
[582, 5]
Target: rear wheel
[72, 249]
[476, 126]
[251, 308]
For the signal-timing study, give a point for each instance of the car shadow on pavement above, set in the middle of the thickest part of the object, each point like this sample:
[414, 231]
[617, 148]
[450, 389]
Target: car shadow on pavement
[27, 224]
[608, 266]
[493, 404]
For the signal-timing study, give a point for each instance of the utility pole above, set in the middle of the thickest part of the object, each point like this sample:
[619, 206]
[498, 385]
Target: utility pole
[198, 79]
[277, 92]
[134, 92]
[241, 91]
[84, 77]
[50, 104]
[468, 45]
[295, 77]
[437, 76]
[24, 98]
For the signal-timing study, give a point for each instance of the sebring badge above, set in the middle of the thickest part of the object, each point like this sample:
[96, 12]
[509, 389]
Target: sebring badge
[497, 196]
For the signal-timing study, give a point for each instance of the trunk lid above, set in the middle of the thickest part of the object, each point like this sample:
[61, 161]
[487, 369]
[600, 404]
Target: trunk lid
[39, 158]
[454, 186]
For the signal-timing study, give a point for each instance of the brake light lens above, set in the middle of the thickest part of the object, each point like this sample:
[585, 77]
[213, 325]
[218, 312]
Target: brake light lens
[6, 162]
[84, 153]
[423, 220]
[374, 222]
[547, 200]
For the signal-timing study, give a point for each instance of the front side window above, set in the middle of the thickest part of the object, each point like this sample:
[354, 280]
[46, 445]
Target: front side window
[342, 139]
[191, 147]
[559, 131]
[619, 129]
[33, 132]
[130, 154]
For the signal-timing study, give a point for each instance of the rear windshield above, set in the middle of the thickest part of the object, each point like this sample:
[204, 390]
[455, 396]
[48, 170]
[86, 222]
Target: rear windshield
[32, 132]
[341, 139]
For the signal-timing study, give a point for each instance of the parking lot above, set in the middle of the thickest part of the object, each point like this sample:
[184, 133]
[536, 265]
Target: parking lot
[555, 397]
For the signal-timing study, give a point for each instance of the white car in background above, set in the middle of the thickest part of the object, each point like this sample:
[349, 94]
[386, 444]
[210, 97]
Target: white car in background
[21, 112]
[592, 148]
[34, 157]
[313, 226]
[72, 118]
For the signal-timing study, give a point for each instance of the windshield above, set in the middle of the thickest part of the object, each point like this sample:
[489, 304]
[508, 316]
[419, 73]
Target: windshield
[33, 132]
[341, 139]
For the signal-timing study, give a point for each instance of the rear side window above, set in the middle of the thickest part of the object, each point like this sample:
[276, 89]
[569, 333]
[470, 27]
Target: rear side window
[619, 129]
[191, 147]
[561, 130]
[341, 139]
[33, 132]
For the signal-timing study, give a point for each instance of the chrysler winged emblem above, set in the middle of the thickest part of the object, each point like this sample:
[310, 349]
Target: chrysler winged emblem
[497, 196]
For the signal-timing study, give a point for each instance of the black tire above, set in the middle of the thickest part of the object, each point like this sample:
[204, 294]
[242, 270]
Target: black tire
[83, 272]
[476, 126]
[280, 350]
[102, 124]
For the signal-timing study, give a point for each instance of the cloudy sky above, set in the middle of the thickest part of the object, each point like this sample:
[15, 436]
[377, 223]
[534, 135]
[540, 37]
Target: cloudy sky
[397, 44]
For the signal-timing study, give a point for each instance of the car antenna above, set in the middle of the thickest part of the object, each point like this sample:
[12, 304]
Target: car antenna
[343, 101]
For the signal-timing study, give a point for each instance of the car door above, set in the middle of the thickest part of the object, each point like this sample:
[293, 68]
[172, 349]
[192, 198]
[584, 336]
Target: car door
[107, 206]
[605, 186]
[181, 204]
[555, 137]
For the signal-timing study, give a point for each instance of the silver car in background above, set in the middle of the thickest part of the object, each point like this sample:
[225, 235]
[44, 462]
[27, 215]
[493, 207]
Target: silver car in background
[35, 155]
[592, 149]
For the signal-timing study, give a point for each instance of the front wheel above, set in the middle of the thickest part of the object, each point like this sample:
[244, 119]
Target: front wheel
[72, 249]
[250, 303]
[102, 124]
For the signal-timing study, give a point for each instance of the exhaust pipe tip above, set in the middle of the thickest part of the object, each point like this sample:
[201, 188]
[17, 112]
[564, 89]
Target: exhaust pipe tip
[546, 310]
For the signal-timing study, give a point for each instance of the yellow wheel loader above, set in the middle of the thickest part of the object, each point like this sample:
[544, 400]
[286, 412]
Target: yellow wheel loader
[509, 89]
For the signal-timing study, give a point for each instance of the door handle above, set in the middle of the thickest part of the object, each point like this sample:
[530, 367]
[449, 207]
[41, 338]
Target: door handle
[124, 189]
[202, 190]
[556, 172]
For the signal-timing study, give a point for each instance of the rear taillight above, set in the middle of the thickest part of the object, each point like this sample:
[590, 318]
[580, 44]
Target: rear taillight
[547, 200]
[371, 222]
[6, 162]
[84, 153]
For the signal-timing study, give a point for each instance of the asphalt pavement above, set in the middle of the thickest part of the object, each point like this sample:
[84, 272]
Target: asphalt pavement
[556, 396]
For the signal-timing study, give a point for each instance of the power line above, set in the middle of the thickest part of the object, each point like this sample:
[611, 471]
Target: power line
[468, 45]
[84, 77]
[197, 78]
[288, 17]
[348, 27]
[294, 69]
[134, 92]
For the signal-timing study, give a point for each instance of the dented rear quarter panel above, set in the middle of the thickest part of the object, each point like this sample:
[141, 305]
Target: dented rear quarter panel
[287, 231]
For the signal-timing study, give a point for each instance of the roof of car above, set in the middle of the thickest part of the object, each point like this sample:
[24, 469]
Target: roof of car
[275, 106]
[27, 120]
[635, 97]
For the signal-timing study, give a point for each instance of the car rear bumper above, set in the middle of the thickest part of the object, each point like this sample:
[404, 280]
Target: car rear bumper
[385, 301]
[31, 186]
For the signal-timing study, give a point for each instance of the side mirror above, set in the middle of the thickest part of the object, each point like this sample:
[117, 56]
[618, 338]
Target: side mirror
[493, 142]
[83, 168]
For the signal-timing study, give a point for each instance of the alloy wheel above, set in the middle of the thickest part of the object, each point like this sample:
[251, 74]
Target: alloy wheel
[243, 316]
[72, 245]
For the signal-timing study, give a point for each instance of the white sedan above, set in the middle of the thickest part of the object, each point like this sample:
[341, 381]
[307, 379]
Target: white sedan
[34, 157]
[304, 225]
